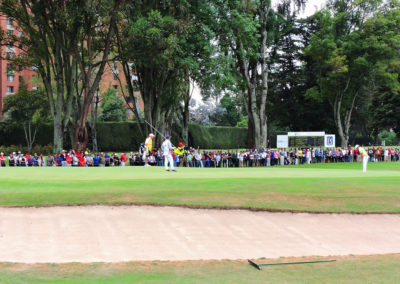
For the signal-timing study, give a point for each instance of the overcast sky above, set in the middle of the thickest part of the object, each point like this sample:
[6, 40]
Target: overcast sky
[311, 7]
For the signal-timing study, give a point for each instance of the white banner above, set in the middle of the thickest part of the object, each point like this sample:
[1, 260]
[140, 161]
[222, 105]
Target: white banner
[330, 141]
[302, 134]
[282, 141]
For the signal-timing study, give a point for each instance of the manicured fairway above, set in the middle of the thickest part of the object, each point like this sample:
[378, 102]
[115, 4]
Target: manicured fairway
[326, 188]
[369, 269]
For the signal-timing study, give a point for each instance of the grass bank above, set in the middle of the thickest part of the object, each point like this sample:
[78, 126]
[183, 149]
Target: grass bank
[314, 188]
[364, 269]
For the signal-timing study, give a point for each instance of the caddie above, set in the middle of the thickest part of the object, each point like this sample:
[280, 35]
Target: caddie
[166, 148]
[364, 155]
[148, 144]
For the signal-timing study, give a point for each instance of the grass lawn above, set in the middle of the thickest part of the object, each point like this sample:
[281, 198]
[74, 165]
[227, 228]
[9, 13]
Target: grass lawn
[326, 188]
[366, 269]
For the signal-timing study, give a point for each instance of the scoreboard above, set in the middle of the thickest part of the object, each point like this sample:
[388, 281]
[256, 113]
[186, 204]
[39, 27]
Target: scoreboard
[306, 141]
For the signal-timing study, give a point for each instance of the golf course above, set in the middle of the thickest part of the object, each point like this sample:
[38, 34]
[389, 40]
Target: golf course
[341, 187]
[333, 190]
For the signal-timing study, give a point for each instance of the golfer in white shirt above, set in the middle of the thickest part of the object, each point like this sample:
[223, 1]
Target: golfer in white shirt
[166, 148]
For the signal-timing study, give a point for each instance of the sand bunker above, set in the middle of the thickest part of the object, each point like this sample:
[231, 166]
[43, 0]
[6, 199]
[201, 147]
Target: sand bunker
[128, 233]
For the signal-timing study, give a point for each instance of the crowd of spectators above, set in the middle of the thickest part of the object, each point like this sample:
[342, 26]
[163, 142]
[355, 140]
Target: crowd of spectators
[199, 158]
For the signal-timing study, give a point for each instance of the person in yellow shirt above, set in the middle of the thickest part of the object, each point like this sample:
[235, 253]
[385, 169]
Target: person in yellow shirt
[180, 152]
[148, 144]
[364, 155]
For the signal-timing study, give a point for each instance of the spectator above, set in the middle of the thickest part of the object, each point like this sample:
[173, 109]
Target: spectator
[2, 160]
[50, 160]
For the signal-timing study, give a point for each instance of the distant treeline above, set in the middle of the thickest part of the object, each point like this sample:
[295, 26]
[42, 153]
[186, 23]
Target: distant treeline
[124, 136]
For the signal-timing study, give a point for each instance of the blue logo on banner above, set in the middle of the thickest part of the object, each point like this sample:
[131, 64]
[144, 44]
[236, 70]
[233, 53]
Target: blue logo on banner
[329, 140]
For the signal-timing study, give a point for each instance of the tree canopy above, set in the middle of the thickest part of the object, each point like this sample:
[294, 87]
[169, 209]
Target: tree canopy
[266, 66]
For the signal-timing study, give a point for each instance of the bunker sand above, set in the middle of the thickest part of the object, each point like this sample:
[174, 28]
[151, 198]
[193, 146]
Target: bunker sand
[145, 233]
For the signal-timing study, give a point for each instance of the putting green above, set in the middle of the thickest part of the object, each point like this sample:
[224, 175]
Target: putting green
[325, 188]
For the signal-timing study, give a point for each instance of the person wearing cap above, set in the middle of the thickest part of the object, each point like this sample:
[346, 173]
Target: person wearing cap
[364, 155]
[166, 148]
[148, 144]
[179, 152]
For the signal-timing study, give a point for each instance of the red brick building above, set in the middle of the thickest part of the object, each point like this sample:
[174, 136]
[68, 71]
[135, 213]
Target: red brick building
[114, 78]
[11, 76]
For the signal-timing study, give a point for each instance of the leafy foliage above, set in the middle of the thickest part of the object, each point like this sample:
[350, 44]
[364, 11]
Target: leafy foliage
[112, 107]
[28, 109]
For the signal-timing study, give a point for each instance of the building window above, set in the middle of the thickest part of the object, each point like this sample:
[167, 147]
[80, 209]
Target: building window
[10, 78]
[10, 90]
[10, 69]
[20, 79]
[20, 45]
[20, 67]
[10, 55]
[115, 76]
[9, 21]
[128, 99]
[115, 87]
[35, 88]
[19, 34]
[10, 32]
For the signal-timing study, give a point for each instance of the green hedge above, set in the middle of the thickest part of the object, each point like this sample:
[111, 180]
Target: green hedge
[217, 137]
[123, 136]
[118, 136]
[13, 134]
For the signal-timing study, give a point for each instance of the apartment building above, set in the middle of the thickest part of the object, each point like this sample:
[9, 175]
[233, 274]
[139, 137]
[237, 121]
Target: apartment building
[11, 76]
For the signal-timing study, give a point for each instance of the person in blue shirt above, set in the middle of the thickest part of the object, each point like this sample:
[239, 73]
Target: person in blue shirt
[96, 160]
[107, 158]
[272, 158]
[35, 160]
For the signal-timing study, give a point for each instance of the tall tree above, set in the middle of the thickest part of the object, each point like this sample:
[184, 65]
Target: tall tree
[166, 45]
[49, 31]
[246, 32]
[381, 38]
[291, 77]
[343, 66]
[99, 20]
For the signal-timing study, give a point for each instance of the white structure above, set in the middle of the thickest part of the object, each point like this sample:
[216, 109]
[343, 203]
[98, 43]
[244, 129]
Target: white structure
[306, 139]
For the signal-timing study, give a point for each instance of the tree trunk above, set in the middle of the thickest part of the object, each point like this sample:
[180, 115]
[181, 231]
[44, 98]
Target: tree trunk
[26, 138]
[185, 122]
[57, 135]
[343, 125]
[93, 127]
[376, 137]
[257, 93]
[338, 121]
[92, 74]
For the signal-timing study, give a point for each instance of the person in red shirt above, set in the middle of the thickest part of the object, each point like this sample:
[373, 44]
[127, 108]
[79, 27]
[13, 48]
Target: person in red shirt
[124, 159]
[81, 161]
[2, 160]
[69, 160]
